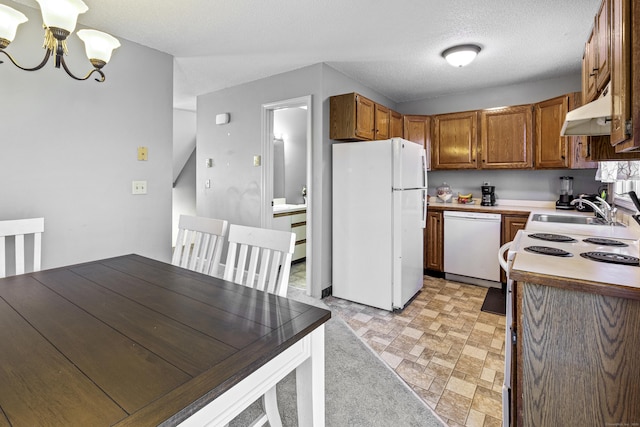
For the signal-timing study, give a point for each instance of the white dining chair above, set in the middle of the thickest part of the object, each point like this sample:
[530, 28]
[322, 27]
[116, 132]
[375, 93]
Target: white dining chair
[199, 244]
[261, 259]
[18, 229]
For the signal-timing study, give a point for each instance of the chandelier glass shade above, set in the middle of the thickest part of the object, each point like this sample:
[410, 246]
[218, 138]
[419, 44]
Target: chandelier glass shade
[459, 56]
[59, 21]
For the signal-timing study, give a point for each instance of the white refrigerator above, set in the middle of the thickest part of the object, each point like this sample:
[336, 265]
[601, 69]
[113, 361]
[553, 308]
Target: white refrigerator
[379, 215]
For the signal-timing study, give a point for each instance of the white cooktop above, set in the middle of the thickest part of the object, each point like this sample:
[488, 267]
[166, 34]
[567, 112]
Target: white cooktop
[575, 266]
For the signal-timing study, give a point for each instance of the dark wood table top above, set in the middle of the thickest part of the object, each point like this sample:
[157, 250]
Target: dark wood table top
[133, 341]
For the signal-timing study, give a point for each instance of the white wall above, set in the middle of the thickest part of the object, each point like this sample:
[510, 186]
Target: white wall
[68, 150]
[236, 184]
[184, 167]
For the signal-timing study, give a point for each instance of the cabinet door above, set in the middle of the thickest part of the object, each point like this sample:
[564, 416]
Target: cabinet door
[351, 117]
[434, 242]
[579, 148]
[455, 141]
[507, 137]
[381, 118]
[590, 71]
[620, 71]
[418, 129]
[395, 125]
[551, 148]
[603, 31]
[511, 224]
[365, 118]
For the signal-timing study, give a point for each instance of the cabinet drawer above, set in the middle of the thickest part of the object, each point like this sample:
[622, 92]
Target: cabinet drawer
[300, 231]
[300, 251]
[301, 217]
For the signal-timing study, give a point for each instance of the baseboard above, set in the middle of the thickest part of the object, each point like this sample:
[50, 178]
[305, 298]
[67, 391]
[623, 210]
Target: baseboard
[327, 292]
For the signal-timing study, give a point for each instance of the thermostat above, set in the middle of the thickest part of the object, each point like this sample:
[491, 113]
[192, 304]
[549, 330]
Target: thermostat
[222, 119]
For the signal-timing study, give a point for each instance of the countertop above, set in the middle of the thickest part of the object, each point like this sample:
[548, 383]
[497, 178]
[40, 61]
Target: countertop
[574, 272]
[288, 208]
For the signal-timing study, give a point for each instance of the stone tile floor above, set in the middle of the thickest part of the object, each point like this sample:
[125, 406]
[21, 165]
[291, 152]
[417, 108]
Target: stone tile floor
[443, 346]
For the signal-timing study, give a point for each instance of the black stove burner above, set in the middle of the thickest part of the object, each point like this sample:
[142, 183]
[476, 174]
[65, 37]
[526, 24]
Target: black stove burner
[550, 237]
[611, 257]
[605, 242]
[545, 250]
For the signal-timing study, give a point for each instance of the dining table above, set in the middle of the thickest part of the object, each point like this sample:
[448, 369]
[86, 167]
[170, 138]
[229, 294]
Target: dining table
[133, 341]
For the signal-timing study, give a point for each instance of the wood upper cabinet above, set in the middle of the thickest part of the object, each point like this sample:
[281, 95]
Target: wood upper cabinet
[625, 75]
[552, 150]
[381, 119]
[579, 154]
[597, 64]
[454, 141]
[506, 137]
[603, 31]
[351, 117]
[589, 71]
[434, 242]
[418, 129]
[395, 124]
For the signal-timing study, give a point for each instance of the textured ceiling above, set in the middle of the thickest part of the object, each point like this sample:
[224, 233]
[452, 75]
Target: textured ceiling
[391, 46]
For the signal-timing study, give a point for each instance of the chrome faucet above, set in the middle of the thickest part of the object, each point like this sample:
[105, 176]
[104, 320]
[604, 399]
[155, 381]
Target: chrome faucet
[604, 210]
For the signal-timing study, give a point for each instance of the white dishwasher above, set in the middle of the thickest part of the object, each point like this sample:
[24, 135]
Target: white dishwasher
[471, 242]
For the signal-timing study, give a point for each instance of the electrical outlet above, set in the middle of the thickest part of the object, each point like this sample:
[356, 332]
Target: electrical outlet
[257, 160]
[142, 153]
[138, 187]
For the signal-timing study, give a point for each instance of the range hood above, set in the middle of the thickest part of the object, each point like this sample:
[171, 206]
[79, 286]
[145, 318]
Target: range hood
[591, 119]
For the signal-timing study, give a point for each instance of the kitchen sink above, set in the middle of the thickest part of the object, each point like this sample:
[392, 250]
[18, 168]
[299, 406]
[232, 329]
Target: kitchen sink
[572, 219]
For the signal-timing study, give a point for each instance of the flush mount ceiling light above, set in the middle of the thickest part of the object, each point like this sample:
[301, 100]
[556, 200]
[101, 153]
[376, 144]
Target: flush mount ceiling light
[461, 55]
[59, 21]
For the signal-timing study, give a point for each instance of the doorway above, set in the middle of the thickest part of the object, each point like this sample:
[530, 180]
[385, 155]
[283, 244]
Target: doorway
[286, 169]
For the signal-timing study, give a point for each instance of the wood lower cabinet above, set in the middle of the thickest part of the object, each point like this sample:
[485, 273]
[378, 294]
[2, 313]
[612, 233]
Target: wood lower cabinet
[511, 224]
[351, 118]
[434, 242]
[454, 141]
[395, 124]
[507, 137]
[576, 357]
[418, 129]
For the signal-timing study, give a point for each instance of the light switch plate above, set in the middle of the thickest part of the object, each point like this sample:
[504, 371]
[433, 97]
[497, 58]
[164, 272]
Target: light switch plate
[138, 187]
[257, 160]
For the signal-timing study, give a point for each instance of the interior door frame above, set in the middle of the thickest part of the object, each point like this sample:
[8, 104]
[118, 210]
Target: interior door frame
[266, 214]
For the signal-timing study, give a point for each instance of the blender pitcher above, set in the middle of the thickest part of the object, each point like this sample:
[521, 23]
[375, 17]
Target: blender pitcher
[566, 193]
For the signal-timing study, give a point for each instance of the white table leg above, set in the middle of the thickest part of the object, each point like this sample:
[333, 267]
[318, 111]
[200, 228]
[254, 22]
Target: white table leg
[310, 383]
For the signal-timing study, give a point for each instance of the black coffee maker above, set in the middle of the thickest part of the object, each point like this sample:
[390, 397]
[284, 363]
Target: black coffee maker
[488, 195]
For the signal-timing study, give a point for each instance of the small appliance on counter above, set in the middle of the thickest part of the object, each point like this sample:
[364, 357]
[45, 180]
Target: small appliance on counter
[488, 194]
[566, 193]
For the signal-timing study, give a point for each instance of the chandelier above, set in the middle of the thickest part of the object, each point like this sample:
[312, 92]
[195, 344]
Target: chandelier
[59, 21]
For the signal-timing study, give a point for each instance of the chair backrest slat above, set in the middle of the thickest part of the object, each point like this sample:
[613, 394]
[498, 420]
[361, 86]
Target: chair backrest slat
[199, 244]
[263, 260]
[18, 229]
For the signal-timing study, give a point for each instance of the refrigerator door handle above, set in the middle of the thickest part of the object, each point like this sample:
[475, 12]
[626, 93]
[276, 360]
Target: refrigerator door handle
[423, 154]
[424, 208]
